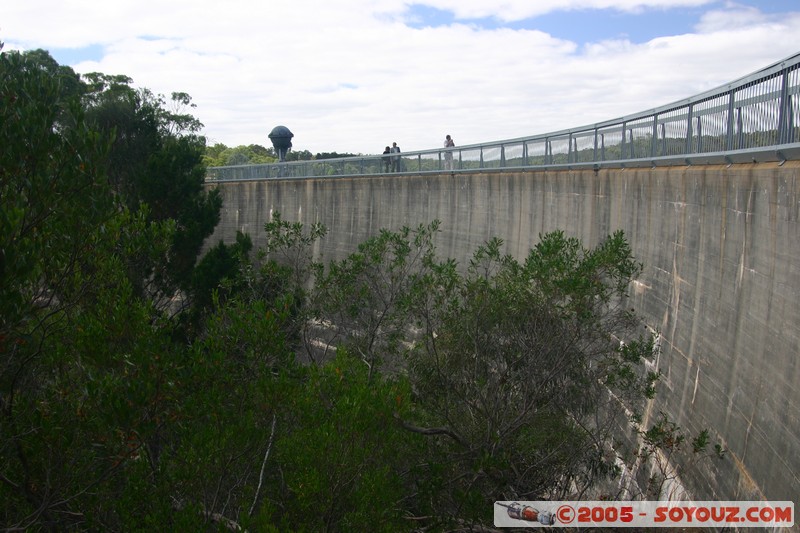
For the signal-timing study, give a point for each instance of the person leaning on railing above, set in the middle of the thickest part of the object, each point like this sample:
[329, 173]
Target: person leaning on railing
[386, 159]
[395, 159]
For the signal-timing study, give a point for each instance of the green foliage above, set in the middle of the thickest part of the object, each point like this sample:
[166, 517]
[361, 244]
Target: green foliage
[343, 453]
[364, 297]
[234, 382]
[663, 449]
[74, 339]
[156, 160]
[299, 155]
[332, 155]
[700, 442]
[288, 243]
[220, 155]
[513, 350]
[50, 202]
[511, 363]
[221, 264]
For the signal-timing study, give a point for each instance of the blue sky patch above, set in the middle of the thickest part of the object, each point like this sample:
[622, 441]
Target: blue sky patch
[71, 56]
[593, 25]
[420, 16]
[579, 26]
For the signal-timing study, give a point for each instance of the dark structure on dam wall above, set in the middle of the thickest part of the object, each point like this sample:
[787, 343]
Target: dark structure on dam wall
[720, 246]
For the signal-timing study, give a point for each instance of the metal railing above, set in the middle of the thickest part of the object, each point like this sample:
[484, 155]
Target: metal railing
[753, 119]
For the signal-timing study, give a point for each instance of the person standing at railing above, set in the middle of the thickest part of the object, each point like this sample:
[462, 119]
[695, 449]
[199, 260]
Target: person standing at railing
[387, 159]
[448, 154]
[395, 159]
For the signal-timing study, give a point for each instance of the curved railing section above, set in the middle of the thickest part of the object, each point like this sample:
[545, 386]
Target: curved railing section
[754, 119]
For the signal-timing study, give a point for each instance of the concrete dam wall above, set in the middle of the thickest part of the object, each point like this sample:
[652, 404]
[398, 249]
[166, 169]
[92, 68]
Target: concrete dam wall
[721, 283]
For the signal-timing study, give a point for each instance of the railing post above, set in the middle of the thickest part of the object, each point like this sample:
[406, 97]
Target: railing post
[569, 149]
[739, 130]
[689, 133]
[729, 133]
[654, 138]
[699, 136]
[623, 146]
[548, 152]
[632, 154]
[602, 147]
[783, 122]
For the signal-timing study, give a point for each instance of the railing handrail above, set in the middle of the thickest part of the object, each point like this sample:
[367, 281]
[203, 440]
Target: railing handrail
[752, 119]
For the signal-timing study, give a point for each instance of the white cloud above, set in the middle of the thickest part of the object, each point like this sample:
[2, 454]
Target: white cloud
[351, 76]
[735, 16]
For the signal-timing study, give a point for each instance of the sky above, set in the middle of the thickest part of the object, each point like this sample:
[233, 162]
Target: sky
[352, 76]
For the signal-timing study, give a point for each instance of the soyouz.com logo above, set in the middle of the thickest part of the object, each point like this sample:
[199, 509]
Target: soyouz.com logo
[643, 514]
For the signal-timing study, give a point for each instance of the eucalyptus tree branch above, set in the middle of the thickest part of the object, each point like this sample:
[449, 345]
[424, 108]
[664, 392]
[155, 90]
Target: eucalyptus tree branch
[432, 431]
[263, 465]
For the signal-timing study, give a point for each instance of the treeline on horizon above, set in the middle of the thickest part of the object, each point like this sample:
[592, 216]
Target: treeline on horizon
[147, 387]
[220, 155]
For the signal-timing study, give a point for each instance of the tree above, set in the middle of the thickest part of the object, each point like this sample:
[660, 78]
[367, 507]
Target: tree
[220, 155]
[91, 378]
[343, 458]
[261, 154]
[363, 298]
[299, 155]
[70, 326]
[333, 155]
[69, 82]
[221, 265]
[156, 160]
[212, 156]
[510, 363]
[516, 364]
